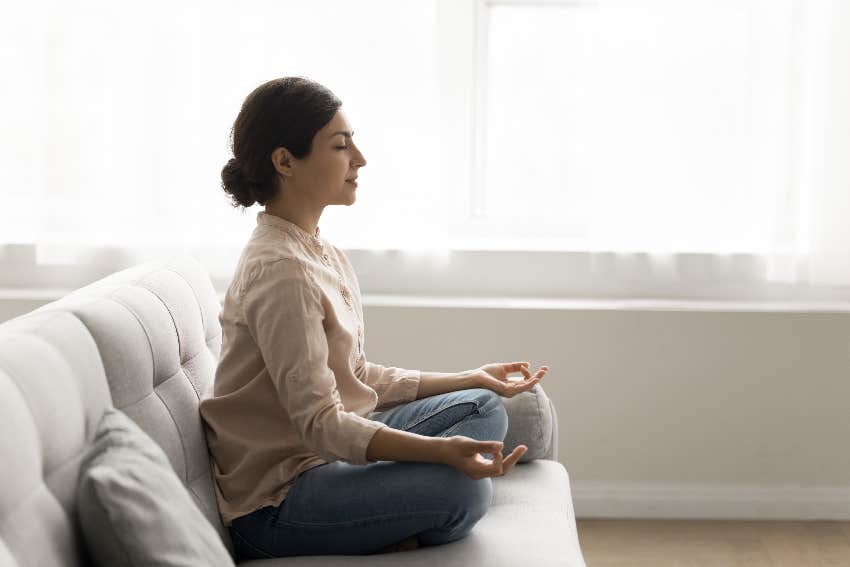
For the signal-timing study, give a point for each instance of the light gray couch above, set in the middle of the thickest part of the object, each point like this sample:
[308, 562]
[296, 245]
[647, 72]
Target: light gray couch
[146, 340]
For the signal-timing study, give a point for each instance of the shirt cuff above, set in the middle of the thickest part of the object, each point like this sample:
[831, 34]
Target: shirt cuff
[404, 389]
[366, 429]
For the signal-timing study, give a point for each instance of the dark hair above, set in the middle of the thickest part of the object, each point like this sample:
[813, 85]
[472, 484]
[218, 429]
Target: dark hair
[282, 112]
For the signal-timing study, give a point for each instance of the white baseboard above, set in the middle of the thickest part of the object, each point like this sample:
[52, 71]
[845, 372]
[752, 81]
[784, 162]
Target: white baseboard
[709, 502]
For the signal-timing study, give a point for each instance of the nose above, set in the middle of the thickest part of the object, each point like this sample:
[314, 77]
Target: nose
[359, 160]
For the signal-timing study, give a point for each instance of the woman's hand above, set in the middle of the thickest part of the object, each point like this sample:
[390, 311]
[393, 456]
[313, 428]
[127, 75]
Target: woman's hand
[495, 377]
[466, 454]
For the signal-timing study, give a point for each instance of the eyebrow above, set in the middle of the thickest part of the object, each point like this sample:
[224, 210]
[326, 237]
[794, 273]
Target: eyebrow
[344, 133]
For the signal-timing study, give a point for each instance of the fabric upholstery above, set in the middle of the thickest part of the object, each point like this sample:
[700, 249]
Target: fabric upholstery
[134, 510]
[530, 522]
[52, 392]
[157, 331]
[531, 423]
[145, 340]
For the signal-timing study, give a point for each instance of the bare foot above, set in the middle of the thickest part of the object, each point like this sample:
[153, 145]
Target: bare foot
[407, 544]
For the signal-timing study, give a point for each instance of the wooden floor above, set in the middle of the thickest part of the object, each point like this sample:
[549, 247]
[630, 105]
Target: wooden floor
[681, 543]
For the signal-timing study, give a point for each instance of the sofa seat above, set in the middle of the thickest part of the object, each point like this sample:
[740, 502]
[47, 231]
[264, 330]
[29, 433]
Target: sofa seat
[530, 523]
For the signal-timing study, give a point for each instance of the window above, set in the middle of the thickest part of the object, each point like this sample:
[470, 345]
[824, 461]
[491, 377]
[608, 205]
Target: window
[609, 147]
[636, 126]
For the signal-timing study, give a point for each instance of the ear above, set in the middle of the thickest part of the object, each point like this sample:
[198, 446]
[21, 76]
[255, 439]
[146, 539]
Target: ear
[282, 161]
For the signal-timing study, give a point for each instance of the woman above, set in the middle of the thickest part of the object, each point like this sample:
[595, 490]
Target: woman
[302, 463]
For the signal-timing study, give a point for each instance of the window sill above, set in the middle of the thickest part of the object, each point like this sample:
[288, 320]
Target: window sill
[522, 303]
[488, 279]
[603, 304]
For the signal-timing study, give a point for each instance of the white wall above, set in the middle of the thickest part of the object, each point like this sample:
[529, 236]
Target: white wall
[666, 413]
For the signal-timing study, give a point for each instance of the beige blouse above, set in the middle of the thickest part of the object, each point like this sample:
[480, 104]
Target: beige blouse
[293, 388]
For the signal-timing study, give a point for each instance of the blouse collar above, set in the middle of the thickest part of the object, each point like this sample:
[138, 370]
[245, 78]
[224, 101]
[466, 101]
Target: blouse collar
[292, 228]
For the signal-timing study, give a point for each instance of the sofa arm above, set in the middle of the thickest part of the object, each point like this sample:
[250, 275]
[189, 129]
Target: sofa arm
[533, 422]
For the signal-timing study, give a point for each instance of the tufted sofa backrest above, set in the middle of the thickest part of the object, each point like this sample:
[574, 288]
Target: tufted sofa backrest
[145, 340]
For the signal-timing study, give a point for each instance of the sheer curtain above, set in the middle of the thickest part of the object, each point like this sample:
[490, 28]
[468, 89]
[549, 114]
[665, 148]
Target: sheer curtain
[118, 116]
[116, 119]
[812, 235]
[669, 127]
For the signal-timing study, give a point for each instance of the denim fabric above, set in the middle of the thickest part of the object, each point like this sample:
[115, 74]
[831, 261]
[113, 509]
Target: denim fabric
[342, 509]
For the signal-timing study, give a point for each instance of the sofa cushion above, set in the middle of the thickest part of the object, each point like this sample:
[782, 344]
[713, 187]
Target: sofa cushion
[157, 333]
[133, 508]
[531, 422]
[530, 522]
[52, 394]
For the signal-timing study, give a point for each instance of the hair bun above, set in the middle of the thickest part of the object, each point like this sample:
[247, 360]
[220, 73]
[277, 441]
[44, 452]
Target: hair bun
[237, 185]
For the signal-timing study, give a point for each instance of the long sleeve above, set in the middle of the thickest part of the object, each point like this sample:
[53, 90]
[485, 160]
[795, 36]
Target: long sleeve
[284, 314]
[393, 385]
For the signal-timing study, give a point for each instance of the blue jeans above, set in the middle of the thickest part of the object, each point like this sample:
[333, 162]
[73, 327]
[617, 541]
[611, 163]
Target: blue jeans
[342, 509]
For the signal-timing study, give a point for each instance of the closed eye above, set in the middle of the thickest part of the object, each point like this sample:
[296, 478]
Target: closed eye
[342, 147]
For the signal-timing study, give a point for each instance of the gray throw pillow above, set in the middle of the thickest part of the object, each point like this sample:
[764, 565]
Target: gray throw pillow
[132, 507]
[530, 423]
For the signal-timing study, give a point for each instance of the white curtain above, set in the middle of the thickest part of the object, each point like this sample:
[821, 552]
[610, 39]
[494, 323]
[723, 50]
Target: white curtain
[812, 240]
[115, 119]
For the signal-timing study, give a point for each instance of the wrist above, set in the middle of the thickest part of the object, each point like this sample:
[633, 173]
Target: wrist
[437, 450]
[470, 379]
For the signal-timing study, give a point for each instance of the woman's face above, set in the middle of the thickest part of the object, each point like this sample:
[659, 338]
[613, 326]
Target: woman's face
[325, 177]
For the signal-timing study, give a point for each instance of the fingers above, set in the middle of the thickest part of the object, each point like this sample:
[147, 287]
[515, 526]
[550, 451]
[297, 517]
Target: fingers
[529, 381]
[541, 373]
[527, 373]
[512, 459]
[501, 465]
[498, 465]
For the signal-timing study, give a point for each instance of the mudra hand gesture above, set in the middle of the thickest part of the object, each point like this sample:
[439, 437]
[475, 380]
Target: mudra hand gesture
[495, 377]
[465, 453]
